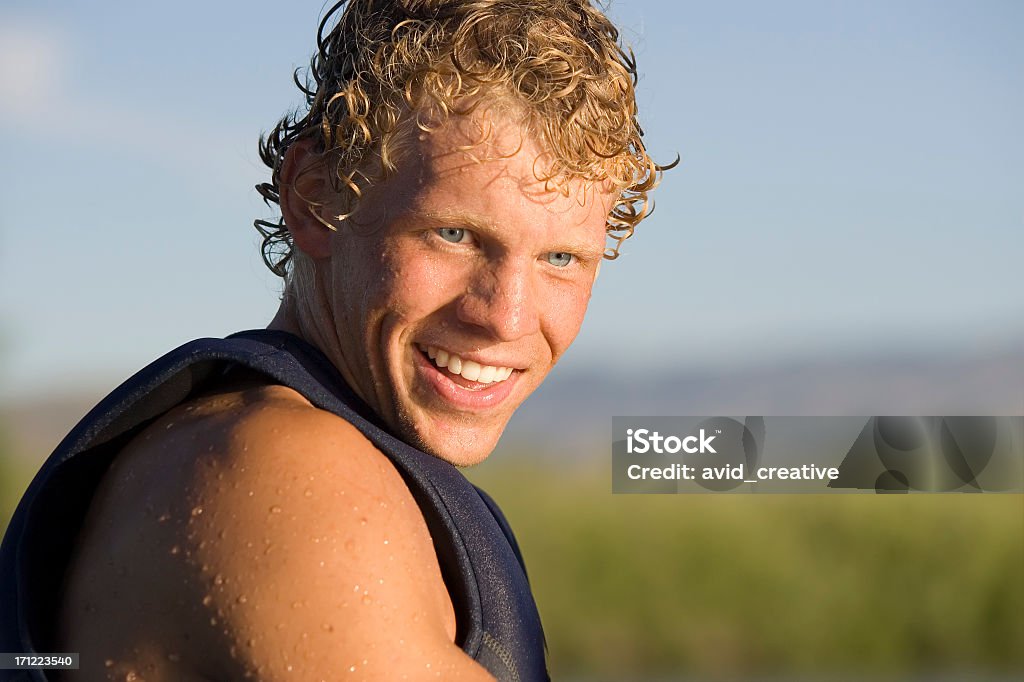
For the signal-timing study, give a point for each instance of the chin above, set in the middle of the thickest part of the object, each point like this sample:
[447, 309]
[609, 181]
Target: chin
[461, 447]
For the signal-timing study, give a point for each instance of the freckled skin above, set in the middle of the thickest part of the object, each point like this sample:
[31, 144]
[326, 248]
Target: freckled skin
[249, 534]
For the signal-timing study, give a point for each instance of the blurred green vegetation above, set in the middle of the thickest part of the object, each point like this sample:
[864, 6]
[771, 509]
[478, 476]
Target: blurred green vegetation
[14, 478]
[751, 586]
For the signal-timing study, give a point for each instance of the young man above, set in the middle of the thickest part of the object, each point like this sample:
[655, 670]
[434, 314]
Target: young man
[284, 504]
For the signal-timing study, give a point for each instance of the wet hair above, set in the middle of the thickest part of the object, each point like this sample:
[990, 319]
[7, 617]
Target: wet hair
[386, 63]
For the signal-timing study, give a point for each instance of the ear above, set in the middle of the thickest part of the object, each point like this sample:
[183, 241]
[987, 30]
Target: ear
[305, 199]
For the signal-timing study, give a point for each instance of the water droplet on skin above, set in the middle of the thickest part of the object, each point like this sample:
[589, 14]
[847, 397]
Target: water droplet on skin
[367, 599]
[213, 621]
[349, 545]
[356, 588]
[196, 511]
[241, 599]
[164, 517]
[109, 663]
[362, 520]
[251, 493]
[387, 542]
[175, 549]
[218, 579]
[221, 535]
[207, 600]
[251, 642]
[169, 425]
[327, 627]
[275, 509]
[173, 658]
[307, 493]
[297, 604]
[352, 669]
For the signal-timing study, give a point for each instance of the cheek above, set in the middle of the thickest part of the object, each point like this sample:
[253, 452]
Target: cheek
[563, 315]
[414, 284]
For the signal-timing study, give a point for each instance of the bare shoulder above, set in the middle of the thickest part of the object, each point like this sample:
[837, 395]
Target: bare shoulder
[250, 533]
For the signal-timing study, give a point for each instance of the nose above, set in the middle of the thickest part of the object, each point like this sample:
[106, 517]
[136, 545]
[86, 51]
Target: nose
[501, 299]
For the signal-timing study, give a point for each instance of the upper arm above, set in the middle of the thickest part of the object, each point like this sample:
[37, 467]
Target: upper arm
[295, 550]
[317, 558]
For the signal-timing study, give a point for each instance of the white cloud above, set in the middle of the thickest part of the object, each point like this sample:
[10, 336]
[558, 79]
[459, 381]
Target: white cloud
[32, 65]
[43, 97]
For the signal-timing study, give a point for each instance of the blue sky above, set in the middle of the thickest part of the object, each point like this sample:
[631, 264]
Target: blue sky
[851, 181]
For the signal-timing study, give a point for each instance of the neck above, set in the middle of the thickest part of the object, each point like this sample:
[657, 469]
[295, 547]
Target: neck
[286, 321]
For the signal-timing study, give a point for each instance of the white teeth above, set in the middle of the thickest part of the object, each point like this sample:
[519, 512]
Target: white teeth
[471, 370]
[468, 369]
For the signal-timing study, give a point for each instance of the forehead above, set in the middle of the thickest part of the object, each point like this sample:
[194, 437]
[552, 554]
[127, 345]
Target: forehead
[490, 162]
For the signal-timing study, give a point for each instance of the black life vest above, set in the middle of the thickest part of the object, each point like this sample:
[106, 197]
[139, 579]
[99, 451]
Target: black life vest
[497, 620]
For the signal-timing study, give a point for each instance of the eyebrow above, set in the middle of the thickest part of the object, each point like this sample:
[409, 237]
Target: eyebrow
[476, 222]
[487, 226]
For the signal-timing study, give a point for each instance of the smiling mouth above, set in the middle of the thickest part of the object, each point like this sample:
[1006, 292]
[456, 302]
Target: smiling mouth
[455, 366]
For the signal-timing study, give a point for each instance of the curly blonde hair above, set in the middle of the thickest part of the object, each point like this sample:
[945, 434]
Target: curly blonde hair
[560, 61]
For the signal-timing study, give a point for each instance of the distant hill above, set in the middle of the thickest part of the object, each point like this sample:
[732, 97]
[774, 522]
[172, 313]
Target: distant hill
[572, 411]
[578, 407]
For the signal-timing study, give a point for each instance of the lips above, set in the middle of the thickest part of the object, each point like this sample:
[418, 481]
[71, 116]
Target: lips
[457, 389]
[468, 369]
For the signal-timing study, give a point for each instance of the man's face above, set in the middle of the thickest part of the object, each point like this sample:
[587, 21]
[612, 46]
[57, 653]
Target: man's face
[459, 282]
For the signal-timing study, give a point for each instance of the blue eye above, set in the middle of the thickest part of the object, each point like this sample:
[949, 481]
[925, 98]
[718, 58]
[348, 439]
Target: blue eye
[559, 259]
[455, 235]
